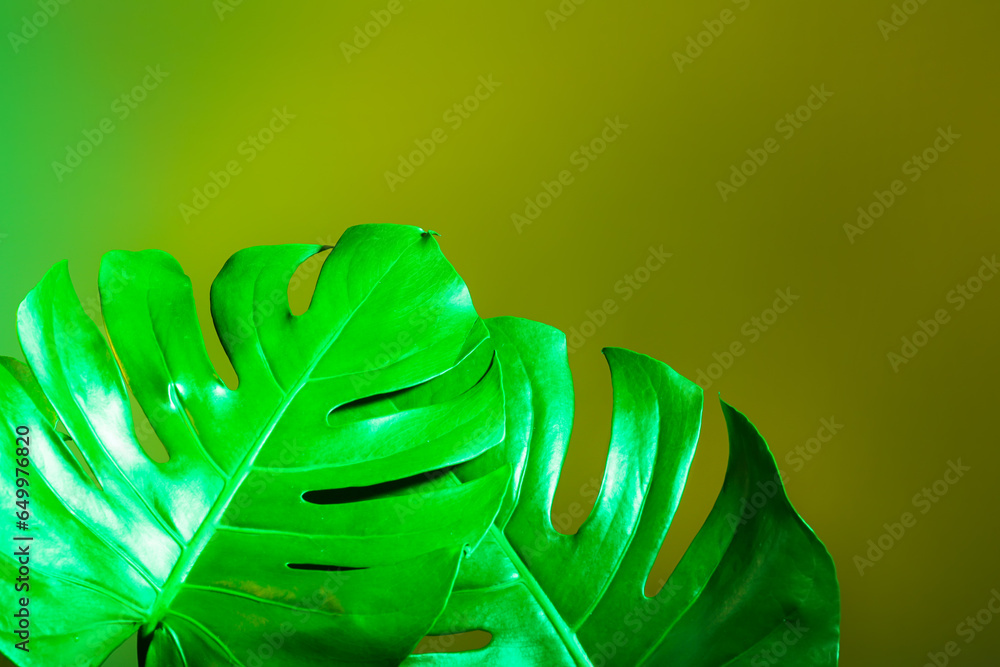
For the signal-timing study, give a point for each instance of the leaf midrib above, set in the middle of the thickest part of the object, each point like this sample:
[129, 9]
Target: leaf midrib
[566, 634]
[204, 534]
[568, 637]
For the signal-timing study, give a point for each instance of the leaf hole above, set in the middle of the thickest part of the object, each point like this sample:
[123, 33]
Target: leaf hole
[302, 283]
[461, 642]
[145, 432]
[708, 470]
[356, 494]
[323, 568]
[580, 482]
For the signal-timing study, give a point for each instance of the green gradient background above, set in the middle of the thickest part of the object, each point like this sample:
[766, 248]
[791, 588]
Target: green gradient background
[655, 185]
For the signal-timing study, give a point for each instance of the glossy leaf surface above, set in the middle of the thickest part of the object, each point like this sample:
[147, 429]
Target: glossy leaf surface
[301, 518]
[754, 587]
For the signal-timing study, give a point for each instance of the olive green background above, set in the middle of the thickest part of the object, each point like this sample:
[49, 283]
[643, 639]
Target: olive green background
[224, 73]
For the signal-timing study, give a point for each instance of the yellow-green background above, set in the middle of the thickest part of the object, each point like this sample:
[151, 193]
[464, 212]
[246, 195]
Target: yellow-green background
[655, 185]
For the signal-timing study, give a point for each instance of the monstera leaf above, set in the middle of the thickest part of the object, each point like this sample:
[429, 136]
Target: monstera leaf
[301, 517]
[755, 588]
[384, 469]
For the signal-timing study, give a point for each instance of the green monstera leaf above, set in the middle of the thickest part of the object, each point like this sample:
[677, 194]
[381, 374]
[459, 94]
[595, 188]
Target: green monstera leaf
[384, 470]
[756, 587]
[283, 528]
